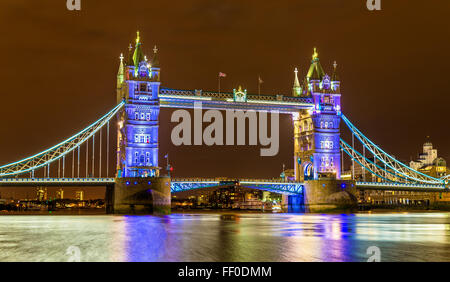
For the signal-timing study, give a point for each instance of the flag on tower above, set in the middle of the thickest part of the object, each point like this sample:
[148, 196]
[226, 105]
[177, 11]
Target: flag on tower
[221, 74]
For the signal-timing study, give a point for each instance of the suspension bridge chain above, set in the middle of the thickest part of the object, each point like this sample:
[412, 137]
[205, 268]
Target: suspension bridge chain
[59, 151]
[401, 170]
[368, 164]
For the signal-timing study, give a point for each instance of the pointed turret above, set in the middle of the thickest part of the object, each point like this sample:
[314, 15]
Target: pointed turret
[315, 71]
[335, 82]
[138, 56]
[296, 89]
[120, 72]
[335, 76]
[129, 61]
[155, 59]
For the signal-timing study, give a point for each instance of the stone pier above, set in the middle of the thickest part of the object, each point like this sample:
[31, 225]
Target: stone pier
[143, 195]
[330, 196]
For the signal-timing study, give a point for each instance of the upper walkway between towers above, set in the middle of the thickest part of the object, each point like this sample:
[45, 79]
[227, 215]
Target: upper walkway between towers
[174, 98]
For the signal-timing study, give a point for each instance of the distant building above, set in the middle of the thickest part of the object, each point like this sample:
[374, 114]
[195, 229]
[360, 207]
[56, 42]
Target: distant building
[79, 195]
[60, 194]
[429, 162]
[41, 194]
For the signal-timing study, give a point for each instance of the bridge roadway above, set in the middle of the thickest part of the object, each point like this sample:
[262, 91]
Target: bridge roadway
[187, 184]
[177, 184]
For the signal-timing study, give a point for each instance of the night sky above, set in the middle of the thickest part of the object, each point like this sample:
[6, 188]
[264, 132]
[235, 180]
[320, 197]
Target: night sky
[59, 68]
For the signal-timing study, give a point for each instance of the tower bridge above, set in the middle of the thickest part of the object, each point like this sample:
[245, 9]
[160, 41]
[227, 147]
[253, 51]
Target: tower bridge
[136, 185]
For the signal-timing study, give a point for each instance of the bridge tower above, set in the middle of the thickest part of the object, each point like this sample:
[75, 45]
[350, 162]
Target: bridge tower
[316, 131]
[316, 141]
[137, 180]
[138, 82]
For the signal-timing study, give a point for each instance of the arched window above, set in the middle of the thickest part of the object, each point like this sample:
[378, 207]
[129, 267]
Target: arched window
[147, 155]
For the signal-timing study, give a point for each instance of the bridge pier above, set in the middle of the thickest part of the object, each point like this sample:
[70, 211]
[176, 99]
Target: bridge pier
[143, 195]
[293, 203]
[328, 195]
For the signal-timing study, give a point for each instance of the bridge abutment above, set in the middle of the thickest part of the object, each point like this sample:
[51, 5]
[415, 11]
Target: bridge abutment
[143, 195]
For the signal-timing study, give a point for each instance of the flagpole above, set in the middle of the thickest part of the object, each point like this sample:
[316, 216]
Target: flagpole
[219, 83]
[259, 85]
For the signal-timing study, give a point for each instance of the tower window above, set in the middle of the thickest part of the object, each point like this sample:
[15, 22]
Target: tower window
[326, 144]
[143, 87]
[136, 115]
[147, 116]
[142, 116]
[142, 138]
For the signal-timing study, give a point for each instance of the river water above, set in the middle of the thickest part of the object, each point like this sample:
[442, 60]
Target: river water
[219, 237]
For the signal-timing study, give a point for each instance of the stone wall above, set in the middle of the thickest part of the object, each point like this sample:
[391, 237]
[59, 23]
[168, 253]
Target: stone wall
[149, 195]
[330, 195]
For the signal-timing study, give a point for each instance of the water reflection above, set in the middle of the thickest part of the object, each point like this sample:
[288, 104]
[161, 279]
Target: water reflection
[233, 237]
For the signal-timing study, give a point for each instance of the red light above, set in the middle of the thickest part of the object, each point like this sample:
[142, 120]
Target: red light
[171, 168]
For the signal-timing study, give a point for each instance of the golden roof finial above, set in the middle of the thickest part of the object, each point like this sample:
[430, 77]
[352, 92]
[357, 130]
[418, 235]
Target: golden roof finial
[121, 57]
[315, 54]
[138, 38]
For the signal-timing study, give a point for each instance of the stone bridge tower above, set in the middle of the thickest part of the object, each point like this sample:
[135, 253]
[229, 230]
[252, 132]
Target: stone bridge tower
[316, 141]
[138, 186]
[316, 131]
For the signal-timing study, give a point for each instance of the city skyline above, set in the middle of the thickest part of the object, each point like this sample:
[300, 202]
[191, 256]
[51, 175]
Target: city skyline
[211, 134]
[63, 89]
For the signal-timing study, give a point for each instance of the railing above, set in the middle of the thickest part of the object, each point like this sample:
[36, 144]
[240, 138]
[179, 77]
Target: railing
[5, 181]
[399, 185]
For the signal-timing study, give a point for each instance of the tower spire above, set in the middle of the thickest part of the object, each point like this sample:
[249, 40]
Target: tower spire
[315, 54]
[334, 77]
[315, 71]
[296, 89]
[155, 60]
[138, 56]
[121, 72]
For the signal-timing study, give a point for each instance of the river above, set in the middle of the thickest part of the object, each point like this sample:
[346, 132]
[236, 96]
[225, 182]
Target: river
[219, 237]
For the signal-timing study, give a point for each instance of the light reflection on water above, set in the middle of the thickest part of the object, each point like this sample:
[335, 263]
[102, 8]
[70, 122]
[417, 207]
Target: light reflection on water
[210, 237]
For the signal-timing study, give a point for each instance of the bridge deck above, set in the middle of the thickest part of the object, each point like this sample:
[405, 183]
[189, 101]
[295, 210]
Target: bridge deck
[56, 181]
[400, 186]
[186, 184]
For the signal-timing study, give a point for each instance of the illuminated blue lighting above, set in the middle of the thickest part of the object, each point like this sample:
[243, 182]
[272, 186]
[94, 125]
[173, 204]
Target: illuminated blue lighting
[128, 182]
[343, 185]
[102, 121]
[276, 187]
[354, 129]
[368, 169]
